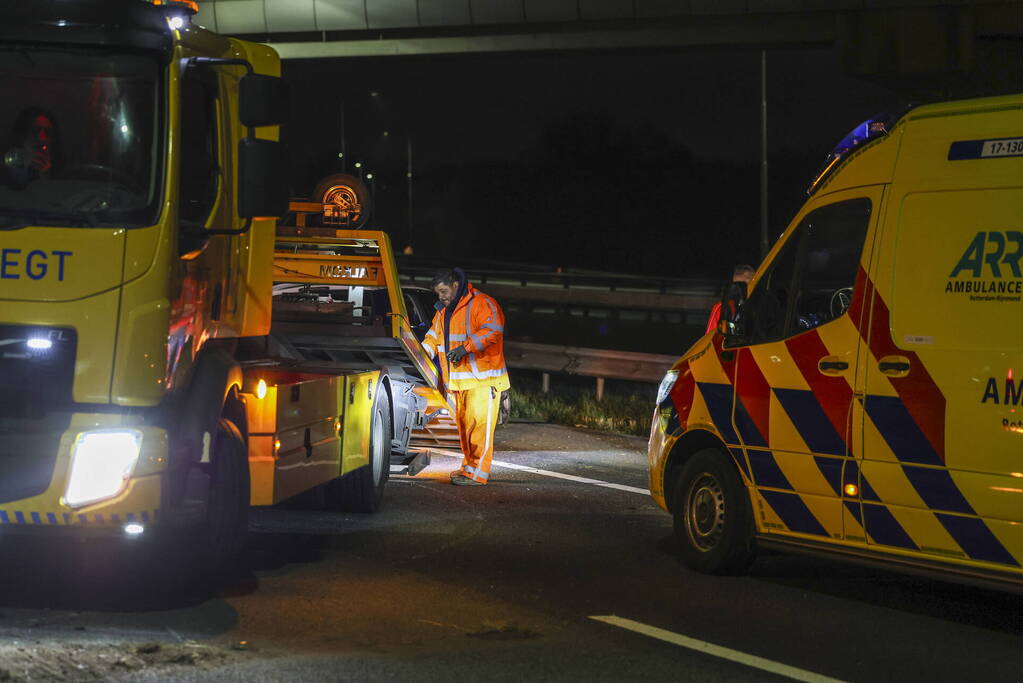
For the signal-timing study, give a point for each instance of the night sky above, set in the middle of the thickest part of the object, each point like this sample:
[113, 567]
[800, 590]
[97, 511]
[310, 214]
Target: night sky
[624, 162]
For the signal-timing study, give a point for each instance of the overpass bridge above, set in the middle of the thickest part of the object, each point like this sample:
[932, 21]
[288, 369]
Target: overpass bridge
[873, 36]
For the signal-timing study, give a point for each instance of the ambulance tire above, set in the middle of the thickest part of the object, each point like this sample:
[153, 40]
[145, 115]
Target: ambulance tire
[345, 190]
[227, 510]
[362, 490]
[712, 515]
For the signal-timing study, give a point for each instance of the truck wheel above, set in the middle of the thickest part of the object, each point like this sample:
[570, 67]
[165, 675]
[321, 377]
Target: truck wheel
[713, 522]
[227, 512]
[362, 490]
[348, 195]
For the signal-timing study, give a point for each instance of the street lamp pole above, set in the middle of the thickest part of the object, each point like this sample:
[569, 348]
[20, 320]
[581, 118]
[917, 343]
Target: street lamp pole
[408, 176]
[344, 152]
[763, 154]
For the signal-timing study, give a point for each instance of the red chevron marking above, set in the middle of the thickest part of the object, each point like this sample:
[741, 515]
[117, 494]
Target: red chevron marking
[918, 390]
[754, 392]
[833, 393]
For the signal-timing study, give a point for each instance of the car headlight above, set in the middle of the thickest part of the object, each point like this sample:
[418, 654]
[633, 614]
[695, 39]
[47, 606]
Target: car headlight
[666, 384]
[101, 463]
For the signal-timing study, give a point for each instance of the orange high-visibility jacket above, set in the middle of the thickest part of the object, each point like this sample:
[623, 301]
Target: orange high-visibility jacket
[477, 323]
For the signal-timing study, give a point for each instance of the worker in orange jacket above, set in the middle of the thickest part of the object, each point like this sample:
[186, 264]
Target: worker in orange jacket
[467, 338]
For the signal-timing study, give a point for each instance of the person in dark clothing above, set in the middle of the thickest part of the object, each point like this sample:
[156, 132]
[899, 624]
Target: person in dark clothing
[741, 273]
[32, 151]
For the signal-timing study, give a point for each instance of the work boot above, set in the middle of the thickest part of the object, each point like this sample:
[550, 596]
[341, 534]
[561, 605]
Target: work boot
[462, 480]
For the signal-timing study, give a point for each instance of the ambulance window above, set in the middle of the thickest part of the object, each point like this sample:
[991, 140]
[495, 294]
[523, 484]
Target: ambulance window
[811, 279]
[833, 242]
[768, 304]
[200, 172]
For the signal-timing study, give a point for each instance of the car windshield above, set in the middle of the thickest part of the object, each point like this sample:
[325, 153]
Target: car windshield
[78, 134]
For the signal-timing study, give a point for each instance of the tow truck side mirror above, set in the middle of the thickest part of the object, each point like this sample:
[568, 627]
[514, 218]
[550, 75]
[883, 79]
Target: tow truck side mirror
[262, 179]
[730, 324]
[262, 100]
[262, 165]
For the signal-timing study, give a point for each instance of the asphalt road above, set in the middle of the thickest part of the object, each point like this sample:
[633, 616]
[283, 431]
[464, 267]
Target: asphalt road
[497, 583]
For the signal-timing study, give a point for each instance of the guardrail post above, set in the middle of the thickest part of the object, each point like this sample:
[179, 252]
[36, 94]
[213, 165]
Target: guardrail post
[545, 382]
[600, 388]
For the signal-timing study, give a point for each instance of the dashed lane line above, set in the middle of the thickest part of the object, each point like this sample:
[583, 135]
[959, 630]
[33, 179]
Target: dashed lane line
[548, 473]
[753, 661]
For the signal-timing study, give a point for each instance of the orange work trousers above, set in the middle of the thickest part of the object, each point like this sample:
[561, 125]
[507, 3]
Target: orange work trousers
[476, 415]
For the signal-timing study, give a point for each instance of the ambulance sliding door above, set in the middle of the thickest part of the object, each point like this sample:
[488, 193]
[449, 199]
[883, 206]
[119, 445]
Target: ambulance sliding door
[794, 379]
[943, 397]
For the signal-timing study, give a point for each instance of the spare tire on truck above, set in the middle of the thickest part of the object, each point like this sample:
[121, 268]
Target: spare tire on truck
[347, 198]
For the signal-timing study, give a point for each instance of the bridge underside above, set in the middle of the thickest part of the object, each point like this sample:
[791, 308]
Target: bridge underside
[873, 36]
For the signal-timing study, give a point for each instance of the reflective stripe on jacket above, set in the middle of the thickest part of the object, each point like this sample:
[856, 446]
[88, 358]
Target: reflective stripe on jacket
[477, 323]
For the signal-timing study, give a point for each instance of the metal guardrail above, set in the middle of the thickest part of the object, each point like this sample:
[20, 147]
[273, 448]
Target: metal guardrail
[599, 298]
[635, 300]
[599, 363]
[603, 290]
[612, 282]
[625, 291]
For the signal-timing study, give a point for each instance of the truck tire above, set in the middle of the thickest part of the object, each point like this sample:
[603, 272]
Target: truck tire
[713, 520]
[362, 490]
[227, 511]
[349, 194]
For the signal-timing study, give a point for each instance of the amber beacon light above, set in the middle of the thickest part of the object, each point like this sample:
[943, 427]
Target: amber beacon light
[188, 6]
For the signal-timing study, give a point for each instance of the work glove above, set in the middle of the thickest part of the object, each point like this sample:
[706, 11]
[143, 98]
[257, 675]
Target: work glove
[456, 355]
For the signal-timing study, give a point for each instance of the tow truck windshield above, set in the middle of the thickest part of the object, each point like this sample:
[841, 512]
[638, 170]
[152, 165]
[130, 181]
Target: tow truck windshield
[78, 138]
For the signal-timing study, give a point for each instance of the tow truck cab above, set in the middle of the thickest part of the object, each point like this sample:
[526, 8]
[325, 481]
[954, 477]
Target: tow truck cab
[132, 243]
[863, 401]
[139, 189]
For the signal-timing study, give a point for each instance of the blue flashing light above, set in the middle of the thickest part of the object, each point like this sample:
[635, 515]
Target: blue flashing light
[868, 131]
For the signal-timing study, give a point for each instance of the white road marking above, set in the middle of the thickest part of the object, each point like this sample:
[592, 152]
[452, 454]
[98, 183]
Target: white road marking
[548, 473]
[717, 651]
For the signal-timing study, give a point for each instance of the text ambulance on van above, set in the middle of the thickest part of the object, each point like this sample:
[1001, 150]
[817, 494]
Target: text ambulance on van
[866, 398]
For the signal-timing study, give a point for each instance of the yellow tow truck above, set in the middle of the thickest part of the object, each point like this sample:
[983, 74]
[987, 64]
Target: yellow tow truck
[169, 356]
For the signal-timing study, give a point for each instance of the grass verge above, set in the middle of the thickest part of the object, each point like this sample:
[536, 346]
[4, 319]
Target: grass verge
[623, 413]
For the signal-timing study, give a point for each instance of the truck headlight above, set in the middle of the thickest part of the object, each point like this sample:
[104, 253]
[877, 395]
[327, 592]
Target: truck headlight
[666, 384]
[101, 463]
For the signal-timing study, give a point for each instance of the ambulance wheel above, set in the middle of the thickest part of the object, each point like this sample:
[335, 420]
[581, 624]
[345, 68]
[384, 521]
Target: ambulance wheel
[348, 194]
[713, 520]
[362, 490]
[227, 511]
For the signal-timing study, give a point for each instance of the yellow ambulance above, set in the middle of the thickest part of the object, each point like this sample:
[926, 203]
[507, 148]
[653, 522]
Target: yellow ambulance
[863, 399]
